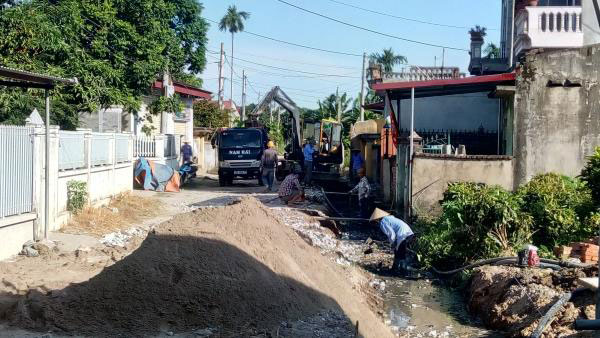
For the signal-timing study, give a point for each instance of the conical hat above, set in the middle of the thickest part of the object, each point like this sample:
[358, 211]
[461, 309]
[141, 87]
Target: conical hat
[378, 213]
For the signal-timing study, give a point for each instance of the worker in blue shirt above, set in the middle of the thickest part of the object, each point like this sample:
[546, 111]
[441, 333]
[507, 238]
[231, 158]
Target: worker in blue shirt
[398, 234]
[186, 152]
[309, 150]
[356, 163]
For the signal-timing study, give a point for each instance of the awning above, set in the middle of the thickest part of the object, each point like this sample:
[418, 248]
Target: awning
[25, 79]
[473, 84]
[377, 106]
[184, 89]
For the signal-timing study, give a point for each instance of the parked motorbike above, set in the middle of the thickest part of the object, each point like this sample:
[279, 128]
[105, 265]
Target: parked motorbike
[187, 171]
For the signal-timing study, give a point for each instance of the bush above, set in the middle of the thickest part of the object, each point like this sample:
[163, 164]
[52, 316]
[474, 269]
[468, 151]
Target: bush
[477, 222]
[559, 206]
[591, 175]
[76, 196]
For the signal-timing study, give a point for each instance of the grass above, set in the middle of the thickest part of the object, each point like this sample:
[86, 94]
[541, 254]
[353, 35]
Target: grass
[121, 213]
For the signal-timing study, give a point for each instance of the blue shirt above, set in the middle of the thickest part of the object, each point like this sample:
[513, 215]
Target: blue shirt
[308, 152]
[395, 229]
[357, 161]
[186, 151]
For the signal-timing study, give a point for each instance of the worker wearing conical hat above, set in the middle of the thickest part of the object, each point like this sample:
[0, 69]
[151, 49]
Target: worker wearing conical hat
[398, 234]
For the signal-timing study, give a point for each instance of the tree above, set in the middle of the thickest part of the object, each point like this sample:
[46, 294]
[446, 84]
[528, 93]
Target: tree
[388, 59]
[207, 114]
[492, 51]
[233, 21]
[115, 48]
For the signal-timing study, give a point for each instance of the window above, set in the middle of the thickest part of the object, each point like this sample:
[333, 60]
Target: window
[543, 23]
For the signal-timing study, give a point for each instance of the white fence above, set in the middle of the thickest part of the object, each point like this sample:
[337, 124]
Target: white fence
[163, 149]
[16, 170]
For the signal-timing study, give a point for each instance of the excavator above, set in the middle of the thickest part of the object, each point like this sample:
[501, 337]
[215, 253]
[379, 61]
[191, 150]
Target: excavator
[327, 134]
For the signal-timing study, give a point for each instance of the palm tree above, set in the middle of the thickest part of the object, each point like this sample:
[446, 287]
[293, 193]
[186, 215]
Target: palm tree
[233, 21]
[478, 31]
[388, 59]
[492, 51]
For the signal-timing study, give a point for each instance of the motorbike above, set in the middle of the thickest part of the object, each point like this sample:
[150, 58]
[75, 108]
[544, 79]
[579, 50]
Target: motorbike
[187, 171]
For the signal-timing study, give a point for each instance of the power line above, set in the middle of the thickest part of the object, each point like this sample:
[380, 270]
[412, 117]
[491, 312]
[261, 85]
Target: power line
[292, 61]
[293, 70]
[370, 30]
[401, 17]
[296, 44]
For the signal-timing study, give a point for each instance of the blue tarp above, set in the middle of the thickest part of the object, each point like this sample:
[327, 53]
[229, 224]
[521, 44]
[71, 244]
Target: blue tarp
[156, 176]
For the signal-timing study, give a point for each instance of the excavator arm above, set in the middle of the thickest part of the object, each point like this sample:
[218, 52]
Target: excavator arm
[279, 96]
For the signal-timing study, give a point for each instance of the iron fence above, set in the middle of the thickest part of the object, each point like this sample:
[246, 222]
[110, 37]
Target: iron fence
[16, 170]
[71, 151]
[144, 146]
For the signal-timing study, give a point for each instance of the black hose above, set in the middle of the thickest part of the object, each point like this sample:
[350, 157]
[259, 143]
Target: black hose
[565, 264]
[547, 263]
[549, 316]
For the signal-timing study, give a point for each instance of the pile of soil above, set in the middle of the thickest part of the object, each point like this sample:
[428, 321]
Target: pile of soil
[514, 300]
[234, 269]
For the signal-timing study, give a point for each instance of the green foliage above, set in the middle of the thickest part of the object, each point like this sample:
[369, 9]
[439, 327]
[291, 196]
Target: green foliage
[207, 114]
[492, 51]
[478, 221]
[591, 175]
[233, 21]
[166, 104]
[388, 59]
[77, 196]
[115, 48]
[559, 206]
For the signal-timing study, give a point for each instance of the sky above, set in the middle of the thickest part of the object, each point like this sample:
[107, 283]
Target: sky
[277, 20]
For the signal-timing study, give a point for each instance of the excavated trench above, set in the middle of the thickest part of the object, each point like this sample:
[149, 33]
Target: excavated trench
[412, 307]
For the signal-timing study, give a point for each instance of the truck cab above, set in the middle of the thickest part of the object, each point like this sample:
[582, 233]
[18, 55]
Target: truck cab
[239, 152]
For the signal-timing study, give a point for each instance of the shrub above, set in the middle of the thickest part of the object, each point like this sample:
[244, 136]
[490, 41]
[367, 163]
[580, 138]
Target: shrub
[477, 222]
[76, 196]
[591, 175]
[558, 205]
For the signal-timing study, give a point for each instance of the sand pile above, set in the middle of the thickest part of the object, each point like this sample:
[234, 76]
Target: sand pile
[235, 269]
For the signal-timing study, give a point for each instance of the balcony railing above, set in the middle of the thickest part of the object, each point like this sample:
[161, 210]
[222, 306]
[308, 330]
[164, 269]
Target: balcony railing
[423, 74]
[548, 27]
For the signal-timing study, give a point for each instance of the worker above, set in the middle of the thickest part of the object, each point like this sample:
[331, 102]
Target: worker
[186, 151]
[309, 151]
[268, 163]
[356, 163]
[399, 234]
[364, 191]
[290, 190]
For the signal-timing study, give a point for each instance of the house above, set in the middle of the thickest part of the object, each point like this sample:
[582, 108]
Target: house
[142, 122]
[234, 110]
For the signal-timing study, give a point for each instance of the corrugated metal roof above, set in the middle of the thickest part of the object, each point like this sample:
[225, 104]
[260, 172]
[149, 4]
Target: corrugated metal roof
[34, 78]
[473, 80]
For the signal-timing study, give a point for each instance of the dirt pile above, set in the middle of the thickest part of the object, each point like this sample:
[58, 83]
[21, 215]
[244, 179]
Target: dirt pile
[514, 300]
[235, 269]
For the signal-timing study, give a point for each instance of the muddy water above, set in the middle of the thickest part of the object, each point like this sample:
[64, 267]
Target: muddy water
[421, 308]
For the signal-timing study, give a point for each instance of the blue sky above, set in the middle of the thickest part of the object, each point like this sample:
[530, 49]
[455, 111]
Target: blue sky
[275, 19]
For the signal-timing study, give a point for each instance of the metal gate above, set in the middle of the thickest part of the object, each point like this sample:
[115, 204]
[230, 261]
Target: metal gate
[16, 170]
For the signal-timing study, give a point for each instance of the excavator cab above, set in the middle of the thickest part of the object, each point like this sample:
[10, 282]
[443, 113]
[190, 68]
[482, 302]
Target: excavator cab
[327, 134]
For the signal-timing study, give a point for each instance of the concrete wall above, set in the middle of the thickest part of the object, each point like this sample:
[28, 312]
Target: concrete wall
[556, 126]
[458, 112]
[432, 173]
[14, 232]
[591, 23]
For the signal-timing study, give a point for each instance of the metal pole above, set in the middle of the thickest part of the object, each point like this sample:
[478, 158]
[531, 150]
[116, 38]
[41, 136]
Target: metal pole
[443, 60]
[221, 82]
[512, 34]
[243, 95]
[412, 149]
[339, 104]
[47, 168]
[362, 88]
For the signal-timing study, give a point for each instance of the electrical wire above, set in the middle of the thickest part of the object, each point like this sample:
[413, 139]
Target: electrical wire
[370, 30]
[295, 44]
[402, 17]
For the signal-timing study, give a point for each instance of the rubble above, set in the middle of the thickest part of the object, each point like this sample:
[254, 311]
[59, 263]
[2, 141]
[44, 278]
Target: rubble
[34, 249]
[513, 299]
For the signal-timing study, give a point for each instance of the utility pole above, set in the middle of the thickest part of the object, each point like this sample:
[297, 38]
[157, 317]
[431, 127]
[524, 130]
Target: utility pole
[243, 95]
[339, 104]
[221, 79]
[443, 58]
[362, 88]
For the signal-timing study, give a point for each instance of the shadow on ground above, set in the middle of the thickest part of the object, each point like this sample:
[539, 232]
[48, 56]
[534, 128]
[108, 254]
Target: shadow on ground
[172, 284]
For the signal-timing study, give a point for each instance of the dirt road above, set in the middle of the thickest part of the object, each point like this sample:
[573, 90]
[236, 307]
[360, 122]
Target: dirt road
[213, 271]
